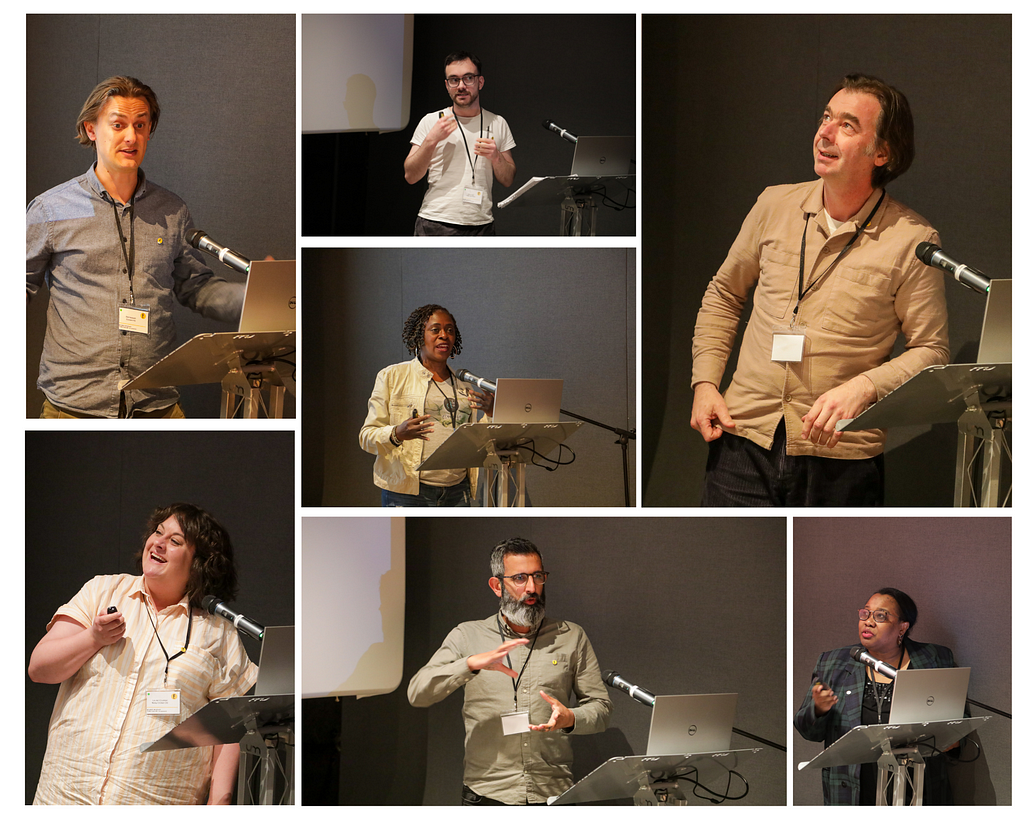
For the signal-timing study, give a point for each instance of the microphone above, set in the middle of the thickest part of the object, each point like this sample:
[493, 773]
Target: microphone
[215, 605]
[475, 380]
[967, 276]
[613, 679]
[549, 125]
[860, 654]
[200, 241]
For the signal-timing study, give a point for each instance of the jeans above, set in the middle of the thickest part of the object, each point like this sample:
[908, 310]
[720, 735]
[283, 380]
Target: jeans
[457, 495]
[740, 473]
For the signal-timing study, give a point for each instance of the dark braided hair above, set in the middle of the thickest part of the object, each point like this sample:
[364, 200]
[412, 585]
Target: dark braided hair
[412, 333]
[213, 563]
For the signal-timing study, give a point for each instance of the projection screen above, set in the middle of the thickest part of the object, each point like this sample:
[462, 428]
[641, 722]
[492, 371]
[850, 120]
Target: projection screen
[353, 605]
[356, 72]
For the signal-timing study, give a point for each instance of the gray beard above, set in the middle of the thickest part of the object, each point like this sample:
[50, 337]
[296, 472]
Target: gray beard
[521, 614]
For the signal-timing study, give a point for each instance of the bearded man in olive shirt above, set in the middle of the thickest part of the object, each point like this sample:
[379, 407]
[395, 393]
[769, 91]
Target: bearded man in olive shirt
[836, 280]
[519, 669]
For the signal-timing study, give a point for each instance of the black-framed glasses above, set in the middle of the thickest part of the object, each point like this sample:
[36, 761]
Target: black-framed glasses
[468, 79]
[519, 580]
[878, 615]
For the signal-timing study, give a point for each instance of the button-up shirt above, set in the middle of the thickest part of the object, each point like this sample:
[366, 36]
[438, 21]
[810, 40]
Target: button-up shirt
[521, 768]
[99, 719]
[75, 247]
[851, 314]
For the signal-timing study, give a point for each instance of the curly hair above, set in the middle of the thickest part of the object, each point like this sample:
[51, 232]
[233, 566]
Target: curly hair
[412, 333]
[116, 87]
[213, 562]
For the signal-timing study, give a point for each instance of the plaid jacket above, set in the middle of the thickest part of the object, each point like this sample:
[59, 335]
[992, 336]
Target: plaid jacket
[844, 675]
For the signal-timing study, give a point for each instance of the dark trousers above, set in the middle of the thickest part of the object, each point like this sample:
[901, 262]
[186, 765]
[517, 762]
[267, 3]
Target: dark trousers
[470, 797]
[740, 473]
[428, 227]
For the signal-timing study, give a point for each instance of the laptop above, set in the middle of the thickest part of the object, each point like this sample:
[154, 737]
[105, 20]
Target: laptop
[996, 345]
[527, 401]
[929, 694]
[604, 156]
[277, 662]
[269, 298]
[691, 723]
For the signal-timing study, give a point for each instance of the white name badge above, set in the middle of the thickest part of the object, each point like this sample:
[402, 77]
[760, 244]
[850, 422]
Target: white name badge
[515, 722]
[788, 343]
[163, 702]
[133, 319]
[473, 196]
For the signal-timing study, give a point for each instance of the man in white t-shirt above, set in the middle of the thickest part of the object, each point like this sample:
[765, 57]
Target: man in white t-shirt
[460, 150]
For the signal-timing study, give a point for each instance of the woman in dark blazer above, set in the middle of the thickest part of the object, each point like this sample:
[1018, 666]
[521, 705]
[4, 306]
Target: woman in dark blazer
[843, 695]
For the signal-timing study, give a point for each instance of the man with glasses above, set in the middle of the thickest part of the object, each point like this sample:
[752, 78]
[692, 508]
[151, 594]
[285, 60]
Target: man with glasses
[460, 150]
[519, 669]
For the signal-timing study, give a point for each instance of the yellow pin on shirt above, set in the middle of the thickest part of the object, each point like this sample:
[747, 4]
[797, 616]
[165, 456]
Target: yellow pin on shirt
[160, 241]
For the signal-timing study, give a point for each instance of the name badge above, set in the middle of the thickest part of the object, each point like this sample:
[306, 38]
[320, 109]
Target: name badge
[164, 702]
[788, 343]
[133, 319]
[473, 196]
[515, 722]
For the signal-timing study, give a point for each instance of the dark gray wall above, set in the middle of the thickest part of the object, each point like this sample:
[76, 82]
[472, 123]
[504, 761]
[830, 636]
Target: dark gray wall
[742, 96]
[88, 496]
[957, 570]
[523, 313]
[680, 606]
[578, 70]
[225, 142]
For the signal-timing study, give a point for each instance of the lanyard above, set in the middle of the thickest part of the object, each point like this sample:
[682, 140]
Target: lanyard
[128, 254]
[516, 680]
[802, 291]
[188, 637]
[472, 157]
[450, 404]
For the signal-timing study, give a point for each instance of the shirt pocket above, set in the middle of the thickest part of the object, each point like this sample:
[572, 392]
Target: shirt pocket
[859, 303]
[554, 673]
[401, 405]
[193, 673]
[776, 282]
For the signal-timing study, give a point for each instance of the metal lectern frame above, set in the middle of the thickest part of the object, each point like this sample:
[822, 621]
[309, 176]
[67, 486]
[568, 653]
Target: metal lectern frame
[259, 724]
[501, 450]
[896, 750]
[977, 397]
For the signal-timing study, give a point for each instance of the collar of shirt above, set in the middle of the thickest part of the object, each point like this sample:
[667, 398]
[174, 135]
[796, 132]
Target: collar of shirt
[814, 204]
[98, 189]
[139, 590]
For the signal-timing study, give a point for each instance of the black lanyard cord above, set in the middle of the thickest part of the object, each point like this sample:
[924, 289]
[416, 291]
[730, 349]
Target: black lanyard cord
[802, 291]
[516, 680]
[188, 638]
[472, 157]
[129, 253]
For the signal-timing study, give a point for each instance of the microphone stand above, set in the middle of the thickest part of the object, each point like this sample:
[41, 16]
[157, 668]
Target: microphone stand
[623, 441]
[759, 739]
[989, 708]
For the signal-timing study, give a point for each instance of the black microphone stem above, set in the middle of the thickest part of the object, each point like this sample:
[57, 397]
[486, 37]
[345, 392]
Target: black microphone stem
[623, 441]
[759, 739]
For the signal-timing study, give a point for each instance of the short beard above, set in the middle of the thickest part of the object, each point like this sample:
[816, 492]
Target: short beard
[520, 614]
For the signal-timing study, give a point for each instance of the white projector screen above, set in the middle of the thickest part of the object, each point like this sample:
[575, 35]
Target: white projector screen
[353, 605]
[356, 72]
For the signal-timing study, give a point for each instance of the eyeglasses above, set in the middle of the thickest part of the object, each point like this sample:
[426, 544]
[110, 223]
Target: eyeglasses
[878, 615]
[469, 79]
[519, 580]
